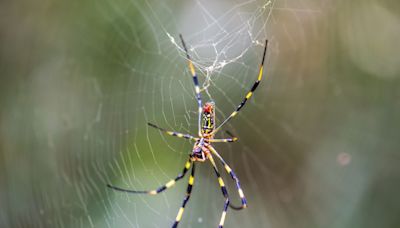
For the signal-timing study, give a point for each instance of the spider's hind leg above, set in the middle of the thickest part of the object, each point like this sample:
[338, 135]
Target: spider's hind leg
[186, 199]
[234, 177]
[223, 189]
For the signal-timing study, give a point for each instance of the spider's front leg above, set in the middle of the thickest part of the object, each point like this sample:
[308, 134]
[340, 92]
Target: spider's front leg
[196, 83]
[250, 93]
[186, 199]
[173, 133]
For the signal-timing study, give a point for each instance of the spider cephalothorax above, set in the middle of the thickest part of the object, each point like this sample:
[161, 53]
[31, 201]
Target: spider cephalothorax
[202, 149]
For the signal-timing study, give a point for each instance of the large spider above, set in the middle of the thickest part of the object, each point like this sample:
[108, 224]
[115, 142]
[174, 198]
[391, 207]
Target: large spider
[203, 150]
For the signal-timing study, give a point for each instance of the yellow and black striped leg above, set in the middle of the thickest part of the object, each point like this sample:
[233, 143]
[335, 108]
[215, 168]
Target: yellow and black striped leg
[220, 180]
[231, 139]
[172, 133]
[250, 93]
[234, 177]
[186, 199]
[160, 189]
[222, 220]
[195, 81]
[223, 189]
[223, 140]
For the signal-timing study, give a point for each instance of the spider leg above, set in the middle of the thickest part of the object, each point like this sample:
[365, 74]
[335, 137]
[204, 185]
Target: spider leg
[222, 220]
[223, 189]
[234, 177]
[160, 189]
[186, 199]
[195, 81]
[223, 140]
[172, 133]
[231, 139]
[250, 93]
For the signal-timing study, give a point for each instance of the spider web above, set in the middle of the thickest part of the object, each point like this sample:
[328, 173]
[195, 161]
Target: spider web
[222, 39]
[99, 71]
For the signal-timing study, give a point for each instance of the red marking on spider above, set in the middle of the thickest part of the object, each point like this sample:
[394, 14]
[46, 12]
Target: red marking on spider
[207, 108]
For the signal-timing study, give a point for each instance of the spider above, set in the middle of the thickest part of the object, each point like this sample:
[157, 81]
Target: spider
[202, 149]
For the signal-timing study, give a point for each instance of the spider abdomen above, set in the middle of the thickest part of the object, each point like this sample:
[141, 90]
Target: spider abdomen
[208, 120]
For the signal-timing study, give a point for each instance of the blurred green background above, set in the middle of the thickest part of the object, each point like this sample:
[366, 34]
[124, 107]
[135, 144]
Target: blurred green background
[319, 143]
